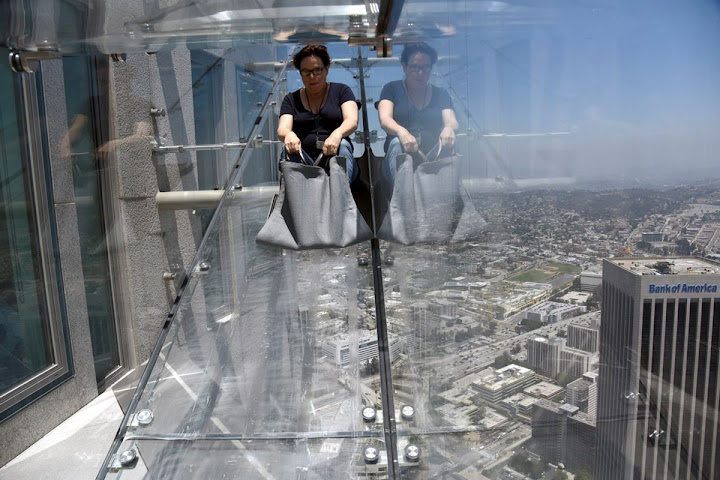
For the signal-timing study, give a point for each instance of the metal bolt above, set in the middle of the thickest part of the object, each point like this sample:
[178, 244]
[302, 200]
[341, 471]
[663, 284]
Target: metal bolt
[128, 458]
[371, 454]
[369, 414]
[169, 276]
[157, 112]
[145, 417]
[407, 412]
[412, 453]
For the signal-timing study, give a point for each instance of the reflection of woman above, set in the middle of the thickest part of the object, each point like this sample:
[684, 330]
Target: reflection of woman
[415, 114]
[318, 118]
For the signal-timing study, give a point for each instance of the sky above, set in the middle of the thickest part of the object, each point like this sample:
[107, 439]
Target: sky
[634, 85]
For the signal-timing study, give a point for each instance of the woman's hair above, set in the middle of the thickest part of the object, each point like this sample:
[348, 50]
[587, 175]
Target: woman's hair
[420, 47]
[312, 50]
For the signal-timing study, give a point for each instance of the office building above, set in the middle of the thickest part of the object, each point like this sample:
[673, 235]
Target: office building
[338, 348]
[583, 393]
[563, 434]
[494, 385]
[590, 280]
[576, 362]
[658, 389]
[583, 337]
[543, 355]
[551, 312]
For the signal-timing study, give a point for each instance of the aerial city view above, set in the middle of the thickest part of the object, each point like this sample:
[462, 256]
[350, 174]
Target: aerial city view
[497, 344]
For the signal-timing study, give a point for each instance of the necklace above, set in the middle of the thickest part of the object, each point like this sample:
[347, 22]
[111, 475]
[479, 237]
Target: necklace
[322, 102]
[425, 100]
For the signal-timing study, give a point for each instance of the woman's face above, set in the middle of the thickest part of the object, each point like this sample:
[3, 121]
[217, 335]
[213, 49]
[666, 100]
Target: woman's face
[417, 70]
[313, 73]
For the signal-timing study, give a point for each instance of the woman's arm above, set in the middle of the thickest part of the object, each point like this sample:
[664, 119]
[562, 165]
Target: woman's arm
[447, 135]
[388, 123]
[348, 126]
[286, 134]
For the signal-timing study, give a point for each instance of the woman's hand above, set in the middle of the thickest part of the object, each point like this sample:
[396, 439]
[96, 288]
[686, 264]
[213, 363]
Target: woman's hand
[332, 144]
[447, 138]
[408, 142]
[292, 143]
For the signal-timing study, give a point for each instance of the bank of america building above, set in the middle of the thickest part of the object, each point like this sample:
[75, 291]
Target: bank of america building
[658, 383]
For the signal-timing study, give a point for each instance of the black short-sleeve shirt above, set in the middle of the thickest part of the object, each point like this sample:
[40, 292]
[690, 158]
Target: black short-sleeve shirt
[309, 127]
[427, 122]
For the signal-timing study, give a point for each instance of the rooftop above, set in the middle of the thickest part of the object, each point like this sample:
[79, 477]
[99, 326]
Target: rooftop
[667, 266]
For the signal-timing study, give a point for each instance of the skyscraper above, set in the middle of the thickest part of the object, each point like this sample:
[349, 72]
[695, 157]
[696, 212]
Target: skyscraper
[583, 393]
[658, 383]
[543, 355]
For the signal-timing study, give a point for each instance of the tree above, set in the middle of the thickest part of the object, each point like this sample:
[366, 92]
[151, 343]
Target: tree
[561, 475]
[684, 247]
[563, 379]
[374, 365]
[503, 360]
[583, 474]
[516, 349]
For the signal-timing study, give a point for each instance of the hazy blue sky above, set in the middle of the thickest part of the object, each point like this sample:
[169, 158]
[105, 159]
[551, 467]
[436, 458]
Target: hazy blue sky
[636, 82]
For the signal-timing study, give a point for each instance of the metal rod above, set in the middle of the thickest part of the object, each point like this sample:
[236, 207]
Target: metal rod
[384, 361]
[184, 437]
[164, 149]
[348, 62]
[388, 17]
[188, 200]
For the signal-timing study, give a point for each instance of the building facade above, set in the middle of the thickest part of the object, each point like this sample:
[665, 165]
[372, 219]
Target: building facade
[575, 362]
[543, 355]
[658, 389]
[583, 337]
[495, 385]
[564, 434]
[583, 393]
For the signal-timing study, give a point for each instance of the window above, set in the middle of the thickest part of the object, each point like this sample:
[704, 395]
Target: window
[33, 347]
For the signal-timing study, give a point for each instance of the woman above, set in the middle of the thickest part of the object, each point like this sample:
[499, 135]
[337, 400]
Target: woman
[417, 116]
[318, 118]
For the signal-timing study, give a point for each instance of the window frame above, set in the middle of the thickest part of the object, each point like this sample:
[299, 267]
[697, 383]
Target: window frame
[29, 111]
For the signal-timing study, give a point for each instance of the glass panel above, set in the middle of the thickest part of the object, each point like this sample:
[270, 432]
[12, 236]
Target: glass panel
[273, 350]
[559, 118]
[150, 27]
[25, 344]
[232, 459]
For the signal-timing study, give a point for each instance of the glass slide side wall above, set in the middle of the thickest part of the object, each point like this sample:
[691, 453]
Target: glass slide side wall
[272, 354]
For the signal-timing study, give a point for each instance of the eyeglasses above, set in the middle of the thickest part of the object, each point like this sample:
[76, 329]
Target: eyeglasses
[315, 71]
[419, 68]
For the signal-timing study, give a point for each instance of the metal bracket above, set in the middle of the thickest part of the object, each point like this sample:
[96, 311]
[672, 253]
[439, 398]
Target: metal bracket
[384, 47]
[125, 459]
[25, 61]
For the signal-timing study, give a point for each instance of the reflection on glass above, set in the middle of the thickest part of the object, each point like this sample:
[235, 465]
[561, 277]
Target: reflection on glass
[80, 150]
[25, 348]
